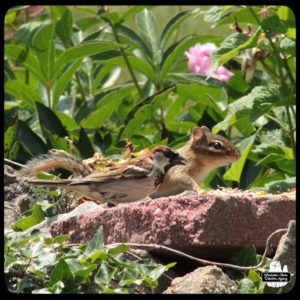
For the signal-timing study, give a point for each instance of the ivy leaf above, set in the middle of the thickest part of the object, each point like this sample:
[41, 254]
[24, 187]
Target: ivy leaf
[36, 216]
[246, 286]
[61, 272]
[245, 257]
[96, 243]
[105, 274]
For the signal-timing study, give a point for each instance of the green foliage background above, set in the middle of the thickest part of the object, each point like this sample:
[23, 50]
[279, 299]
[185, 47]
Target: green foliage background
[84, 78]
[99, 76]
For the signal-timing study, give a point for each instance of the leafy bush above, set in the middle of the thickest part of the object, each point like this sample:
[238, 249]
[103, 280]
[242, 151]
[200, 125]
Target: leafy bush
[38, 264]
[65, 76]
[249, 282]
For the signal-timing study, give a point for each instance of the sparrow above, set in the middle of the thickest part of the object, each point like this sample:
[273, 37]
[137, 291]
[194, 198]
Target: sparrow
[126, 182]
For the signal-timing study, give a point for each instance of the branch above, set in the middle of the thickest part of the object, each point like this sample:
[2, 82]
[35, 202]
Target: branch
[199, 260]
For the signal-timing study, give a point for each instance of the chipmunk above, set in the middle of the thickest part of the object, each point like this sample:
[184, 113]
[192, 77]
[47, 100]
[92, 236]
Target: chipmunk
[203, 152]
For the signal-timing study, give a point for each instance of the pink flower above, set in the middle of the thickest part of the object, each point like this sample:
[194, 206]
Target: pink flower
[200, 62]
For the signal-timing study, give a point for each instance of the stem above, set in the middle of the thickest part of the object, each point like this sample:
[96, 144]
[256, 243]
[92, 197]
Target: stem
[127, 62]
[288, 70]
[13, 162]
[270, 71]
[81, 91]
[281, 79]
[48, 96]
[26, 48]
[281, 125]
[291, 130]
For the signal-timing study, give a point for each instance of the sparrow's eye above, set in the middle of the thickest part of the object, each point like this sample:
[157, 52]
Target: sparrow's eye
[216, 145]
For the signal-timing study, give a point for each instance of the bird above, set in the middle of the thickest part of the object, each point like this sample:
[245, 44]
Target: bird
[126, 182]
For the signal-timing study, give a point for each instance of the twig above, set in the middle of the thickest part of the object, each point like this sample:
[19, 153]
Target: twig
[16, 273]
[12, 208]
[199, 260]
[13, 162]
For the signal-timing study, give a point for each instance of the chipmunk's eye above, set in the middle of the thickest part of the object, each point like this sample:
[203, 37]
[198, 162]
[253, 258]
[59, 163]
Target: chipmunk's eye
[216, 145]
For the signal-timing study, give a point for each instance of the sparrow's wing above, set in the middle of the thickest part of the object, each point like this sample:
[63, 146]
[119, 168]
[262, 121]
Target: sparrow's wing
[138, 168]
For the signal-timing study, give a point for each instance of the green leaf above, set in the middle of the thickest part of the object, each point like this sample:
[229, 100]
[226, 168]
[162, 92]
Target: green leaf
[232, 46]
[256, 279]
[245, 257]
[133, 10]
[172, 25]
[50, 121]
[106, 106]
[26, 31]
[22, 91]
[36, 216]
[78, 269]
[96, 243]
[238, 83]
[286, 165]
[81, 51]
[203, 94]
[241, 14]
[281, 185]
[10, 17]
[274, 23]
[105, 274]
[84, 145]
[246, 286]
[118, 249]
[64, 28]
[98, 117]
[59, 239]
[30, 139]
[68, 122]
[134, 124]
[260, 100]
[288, 45]
[149, 32]
[134, 39]
[85, 23]
[61, 272]
[63, 81]
[196, 78]
[9, 137]
[43, 45]
[235, 171]
[26, 59]
[213, 14]
[136, 63]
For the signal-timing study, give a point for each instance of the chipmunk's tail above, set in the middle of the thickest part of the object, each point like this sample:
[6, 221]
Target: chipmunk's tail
[55, 183]
[57, 160]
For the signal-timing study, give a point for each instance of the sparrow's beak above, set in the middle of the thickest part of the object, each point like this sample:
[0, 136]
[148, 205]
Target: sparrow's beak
[179, 160]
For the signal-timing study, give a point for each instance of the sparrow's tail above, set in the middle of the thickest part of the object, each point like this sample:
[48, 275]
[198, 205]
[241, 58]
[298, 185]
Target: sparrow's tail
[51, 161]
[56, 183]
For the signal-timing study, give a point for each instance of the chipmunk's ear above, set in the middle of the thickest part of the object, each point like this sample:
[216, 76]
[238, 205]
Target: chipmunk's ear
[199, 133]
